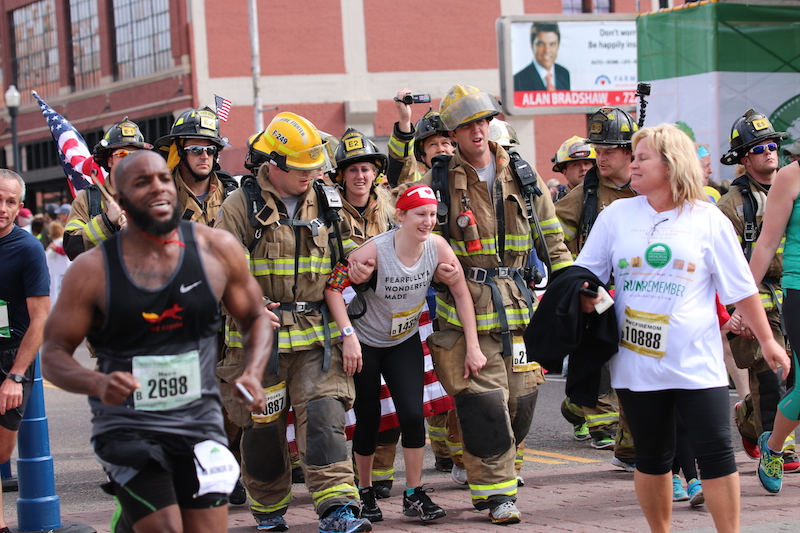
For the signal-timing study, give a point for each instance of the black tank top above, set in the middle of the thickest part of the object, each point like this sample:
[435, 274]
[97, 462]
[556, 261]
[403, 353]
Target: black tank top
[178, 322]
[184, 310]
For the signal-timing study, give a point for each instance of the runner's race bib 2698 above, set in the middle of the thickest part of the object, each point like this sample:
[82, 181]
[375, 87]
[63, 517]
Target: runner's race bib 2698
[167, 381]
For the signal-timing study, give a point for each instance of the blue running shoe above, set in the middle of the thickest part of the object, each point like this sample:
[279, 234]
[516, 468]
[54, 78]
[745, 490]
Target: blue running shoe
[678, 492]
[770, 465]
[342, 520]
[695, 492]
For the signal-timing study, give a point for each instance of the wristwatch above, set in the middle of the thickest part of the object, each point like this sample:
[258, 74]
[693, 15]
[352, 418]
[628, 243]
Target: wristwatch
[16, 378]
[348, 330]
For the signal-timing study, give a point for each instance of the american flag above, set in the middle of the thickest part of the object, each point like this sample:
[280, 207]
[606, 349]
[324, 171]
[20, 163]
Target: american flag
[77, 160]
[223, 107]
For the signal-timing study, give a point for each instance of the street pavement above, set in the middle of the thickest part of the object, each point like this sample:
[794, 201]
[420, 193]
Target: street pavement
[569, 487]
[587, 498]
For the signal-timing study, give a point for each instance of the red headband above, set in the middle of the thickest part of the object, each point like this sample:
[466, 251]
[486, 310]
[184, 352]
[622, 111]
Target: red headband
[416, 196]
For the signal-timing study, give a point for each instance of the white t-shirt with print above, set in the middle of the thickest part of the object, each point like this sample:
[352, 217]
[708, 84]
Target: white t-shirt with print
[667, 269]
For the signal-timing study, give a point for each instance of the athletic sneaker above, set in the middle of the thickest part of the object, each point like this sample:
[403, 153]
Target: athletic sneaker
[520, 481]
[369, 505]
[419, 504]
[342, 520]
[383, 488]
[791, 463]
[443, 464]
[770, 465]
[625, 465]
[602, 443]
[505, 513]
[695, 492]
[678, 492]
[581, 431]
[459, 475]
[271, 523]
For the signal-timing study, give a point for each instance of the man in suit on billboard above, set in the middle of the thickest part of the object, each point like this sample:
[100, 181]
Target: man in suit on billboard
[543, 74]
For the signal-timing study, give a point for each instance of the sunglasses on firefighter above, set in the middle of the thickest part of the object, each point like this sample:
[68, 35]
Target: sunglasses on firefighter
[122, 152]
[761, 148]
[197, 150]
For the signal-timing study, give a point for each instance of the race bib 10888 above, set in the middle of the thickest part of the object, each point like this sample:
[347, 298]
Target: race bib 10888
[644, 333]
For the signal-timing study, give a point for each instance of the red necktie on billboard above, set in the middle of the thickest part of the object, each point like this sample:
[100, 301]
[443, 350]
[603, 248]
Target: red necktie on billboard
[549, 78]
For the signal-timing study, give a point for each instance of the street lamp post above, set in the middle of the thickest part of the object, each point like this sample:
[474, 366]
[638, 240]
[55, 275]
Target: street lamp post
[12, 104]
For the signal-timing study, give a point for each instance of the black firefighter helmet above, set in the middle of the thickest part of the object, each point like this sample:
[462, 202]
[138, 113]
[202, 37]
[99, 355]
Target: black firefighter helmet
[750, 129]
[120, 135]
[611, 127]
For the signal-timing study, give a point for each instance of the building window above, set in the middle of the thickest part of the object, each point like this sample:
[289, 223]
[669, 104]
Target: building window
[36, 47]
[154, 127]
[601, 6]
[142, 36]
[43, 154]
[587, 6]
[573, 6]
[85, 44]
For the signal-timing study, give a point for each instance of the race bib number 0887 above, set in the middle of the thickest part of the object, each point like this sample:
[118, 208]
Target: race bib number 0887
[275, 404]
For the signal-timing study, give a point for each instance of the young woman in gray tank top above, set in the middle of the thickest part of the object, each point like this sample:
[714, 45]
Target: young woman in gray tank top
[386, 341]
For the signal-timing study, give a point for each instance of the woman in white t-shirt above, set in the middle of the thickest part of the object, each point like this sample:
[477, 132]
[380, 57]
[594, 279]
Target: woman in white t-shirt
[670, 252]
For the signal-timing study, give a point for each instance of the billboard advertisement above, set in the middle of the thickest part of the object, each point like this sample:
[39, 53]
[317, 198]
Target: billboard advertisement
[567, 63]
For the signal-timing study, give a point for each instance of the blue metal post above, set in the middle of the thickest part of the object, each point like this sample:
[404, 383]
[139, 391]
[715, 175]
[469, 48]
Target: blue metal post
[38, 506]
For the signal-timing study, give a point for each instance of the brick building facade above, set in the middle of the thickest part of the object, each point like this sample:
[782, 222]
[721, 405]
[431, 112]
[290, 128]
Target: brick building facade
[339, 63]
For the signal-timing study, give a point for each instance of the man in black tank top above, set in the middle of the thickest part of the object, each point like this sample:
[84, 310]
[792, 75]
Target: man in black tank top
[148, 300]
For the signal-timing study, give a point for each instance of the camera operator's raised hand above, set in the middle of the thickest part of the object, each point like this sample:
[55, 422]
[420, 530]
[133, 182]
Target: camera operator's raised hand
[403, 111]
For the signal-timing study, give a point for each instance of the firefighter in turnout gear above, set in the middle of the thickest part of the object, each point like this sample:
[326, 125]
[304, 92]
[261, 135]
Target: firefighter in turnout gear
[754, 144]
[192, 150]
[289, 224]
[95, 216]
[610, 133]
[574, 158]
[493, 217]
[411, 150]
[359, 168]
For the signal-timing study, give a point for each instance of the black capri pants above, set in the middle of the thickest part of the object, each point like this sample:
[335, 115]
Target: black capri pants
[706, 416]
[403, 370]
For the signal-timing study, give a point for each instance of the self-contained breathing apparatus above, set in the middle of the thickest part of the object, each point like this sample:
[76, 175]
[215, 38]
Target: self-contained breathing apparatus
[523, 277]
[330, 202]
[527, 177]
[605, 130]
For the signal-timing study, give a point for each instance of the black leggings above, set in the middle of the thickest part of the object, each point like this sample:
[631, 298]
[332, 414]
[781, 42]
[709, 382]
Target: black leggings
[402, 367]
[706, 416]
[684, 456]
[789, 405]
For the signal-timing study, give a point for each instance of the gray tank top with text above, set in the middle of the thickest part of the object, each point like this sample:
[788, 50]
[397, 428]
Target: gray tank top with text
[394, 307]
